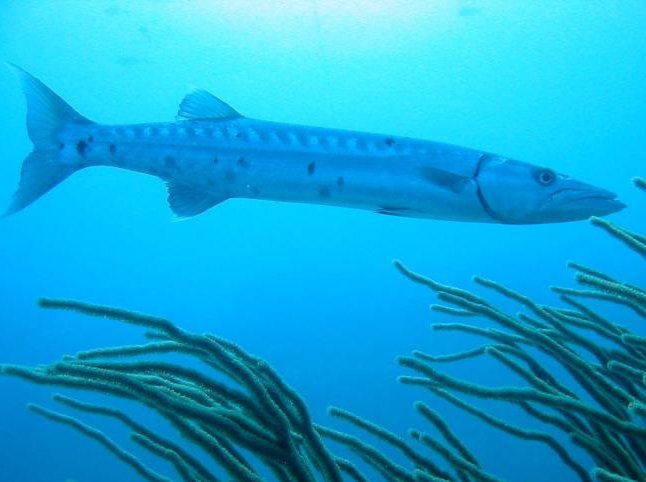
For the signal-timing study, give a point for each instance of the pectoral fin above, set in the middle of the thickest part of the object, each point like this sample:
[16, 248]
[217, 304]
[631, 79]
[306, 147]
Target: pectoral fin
[186, 201]
[444, 179]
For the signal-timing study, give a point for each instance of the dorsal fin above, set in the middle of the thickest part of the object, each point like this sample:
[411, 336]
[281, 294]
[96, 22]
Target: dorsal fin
[201, 104]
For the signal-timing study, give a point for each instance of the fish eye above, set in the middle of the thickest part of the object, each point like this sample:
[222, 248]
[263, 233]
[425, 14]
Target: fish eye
[546, 177]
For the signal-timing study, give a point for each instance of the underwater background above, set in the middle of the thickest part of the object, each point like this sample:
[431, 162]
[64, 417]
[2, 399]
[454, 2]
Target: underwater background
[311, 289]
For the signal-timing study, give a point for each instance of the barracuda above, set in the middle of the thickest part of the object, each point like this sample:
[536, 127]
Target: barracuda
[213, 153]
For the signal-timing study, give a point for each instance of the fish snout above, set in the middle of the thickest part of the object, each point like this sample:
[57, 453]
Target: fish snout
[585, 200]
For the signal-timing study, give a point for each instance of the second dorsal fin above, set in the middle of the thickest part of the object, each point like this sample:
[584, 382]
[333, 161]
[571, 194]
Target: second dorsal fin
[201, 104]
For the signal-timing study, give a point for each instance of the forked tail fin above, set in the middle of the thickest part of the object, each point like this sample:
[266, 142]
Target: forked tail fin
[43, 169]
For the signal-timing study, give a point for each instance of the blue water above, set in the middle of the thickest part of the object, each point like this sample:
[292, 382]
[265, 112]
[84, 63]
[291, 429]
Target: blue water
[311, 289]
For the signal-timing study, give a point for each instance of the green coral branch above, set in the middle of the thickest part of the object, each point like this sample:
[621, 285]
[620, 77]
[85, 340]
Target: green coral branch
[454, 459]
[602, 296]
[517, 395]
[183, 469]
[576, 365]
[350, 469]
[436, 420]
[264, 417]
[608, 430]
[390, 439]
[601, 475]
[634, 241]
[180, 457]
[100, 437]
[453, 357]
[373, 457]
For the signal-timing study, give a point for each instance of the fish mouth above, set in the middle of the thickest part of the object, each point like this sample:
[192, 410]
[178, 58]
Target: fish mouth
[589, 202]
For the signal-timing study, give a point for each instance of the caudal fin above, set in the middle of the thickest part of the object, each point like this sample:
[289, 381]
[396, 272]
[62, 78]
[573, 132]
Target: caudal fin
[47, 114]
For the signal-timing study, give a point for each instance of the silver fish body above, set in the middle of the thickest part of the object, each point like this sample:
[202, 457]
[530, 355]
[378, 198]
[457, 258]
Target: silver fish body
[214, 154]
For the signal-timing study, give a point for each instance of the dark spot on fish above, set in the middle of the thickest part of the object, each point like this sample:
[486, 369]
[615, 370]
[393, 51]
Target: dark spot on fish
[255, 191]
[389, 141]
[90, 138]
[153, 131]
[242, 162]
[112, 148]
[61, 146]
[340, 182]
[229, 175]
[81, 146]
[311, 167]
[170, 162]
[238, 135]
[190, 132]
[215, 159]
[136, 132]
[324, 192]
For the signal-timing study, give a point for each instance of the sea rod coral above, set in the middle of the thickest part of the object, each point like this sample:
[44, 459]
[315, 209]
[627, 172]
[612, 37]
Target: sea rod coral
[239, 420]
[604, 415]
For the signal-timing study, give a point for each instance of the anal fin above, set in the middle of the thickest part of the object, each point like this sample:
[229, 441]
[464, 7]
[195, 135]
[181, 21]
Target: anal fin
[186, 201]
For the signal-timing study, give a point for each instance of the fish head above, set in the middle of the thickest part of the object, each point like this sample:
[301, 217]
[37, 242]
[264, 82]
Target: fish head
[516, 192]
